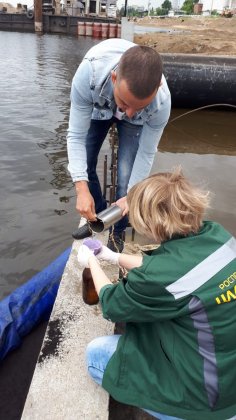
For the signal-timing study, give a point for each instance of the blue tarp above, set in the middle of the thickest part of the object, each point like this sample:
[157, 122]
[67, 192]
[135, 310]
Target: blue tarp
[29, 304]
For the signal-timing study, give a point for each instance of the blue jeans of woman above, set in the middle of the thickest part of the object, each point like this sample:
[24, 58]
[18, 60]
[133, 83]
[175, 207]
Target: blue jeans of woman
[128, 135]
[98, 354]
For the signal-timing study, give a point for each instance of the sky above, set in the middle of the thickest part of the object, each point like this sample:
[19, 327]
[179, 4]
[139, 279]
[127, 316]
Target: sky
[154, 3]
[207, 4]
[15, 2]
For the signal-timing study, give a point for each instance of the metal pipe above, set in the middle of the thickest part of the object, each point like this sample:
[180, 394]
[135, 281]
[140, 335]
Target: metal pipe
[106, 218]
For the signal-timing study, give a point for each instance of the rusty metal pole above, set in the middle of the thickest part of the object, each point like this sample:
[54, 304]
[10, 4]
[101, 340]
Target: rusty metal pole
[114, 180]
[111, 195]
[105, 178]
[38, 16]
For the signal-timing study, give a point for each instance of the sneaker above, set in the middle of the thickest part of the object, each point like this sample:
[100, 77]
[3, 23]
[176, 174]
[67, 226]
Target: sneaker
[82, 232]
[115, 242]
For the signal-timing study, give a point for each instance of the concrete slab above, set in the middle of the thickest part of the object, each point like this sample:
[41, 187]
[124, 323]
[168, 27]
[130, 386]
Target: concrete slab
[61, 389]
[127, 29]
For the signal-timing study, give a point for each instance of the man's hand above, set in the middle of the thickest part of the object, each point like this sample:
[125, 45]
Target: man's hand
[85, 202]
[122, 203]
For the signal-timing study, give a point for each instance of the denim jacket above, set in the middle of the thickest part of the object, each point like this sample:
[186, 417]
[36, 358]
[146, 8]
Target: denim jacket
[92, 98]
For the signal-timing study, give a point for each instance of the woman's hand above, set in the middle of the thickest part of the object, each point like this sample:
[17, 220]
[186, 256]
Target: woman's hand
[83, 256]
[107, 255]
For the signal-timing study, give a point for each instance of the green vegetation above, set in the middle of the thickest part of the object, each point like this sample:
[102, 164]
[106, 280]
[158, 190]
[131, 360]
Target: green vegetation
[159, 11]
[166, 5]
[188, 6]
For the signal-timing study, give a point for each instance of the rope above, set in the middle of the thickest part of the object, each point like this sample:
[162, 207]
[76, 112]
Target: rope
[199, 109]
[111, 237]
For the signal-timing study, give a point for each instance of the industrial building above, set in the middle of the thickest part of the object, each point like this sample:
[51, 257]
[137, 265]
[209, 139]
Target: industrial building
[89, 7]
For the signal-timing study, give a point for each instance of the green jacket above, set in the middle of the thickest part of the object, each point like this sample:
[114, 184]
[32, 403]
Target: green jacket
[178, 354]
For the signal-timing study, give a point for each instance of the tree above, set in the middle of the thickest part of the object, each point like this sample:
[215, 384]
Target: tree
[159, 11]
[188, 6]
[164, 9]
[166, 5]
[152, 12]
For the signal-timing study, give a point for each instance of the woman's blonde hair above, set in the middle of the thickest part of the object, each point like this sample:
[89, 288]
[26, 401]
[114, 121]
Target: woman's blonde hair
[166, 204]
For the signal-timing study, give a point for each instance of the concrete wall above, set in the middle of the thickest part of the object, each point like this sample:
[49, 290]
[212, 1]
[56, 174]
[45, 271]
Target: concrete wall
[16, 22]
[61, 389]
[51, 23]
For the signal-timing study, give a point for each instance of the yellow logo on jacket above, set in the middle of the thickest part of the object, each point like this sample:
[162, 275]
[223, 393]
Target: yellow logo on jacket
[229, 294]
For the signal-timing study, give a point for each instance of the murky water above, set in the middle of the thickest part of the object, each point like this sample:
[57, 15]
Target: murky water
[204, 143]
[140, 29]
[37, 206]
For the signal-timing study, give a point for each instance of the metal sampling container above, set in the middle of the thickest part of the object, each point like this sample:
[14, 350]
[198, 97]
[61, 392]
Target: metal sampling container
[106, 218]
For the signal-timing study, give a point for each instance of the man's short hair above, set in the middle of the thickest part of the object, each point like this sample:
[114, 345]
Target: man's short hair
[141, 67]
[166, 204]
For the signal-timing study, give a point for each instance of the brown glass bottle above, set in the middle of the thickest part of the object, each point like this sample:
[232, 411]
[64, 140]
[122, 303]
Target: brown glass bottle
[89, 293]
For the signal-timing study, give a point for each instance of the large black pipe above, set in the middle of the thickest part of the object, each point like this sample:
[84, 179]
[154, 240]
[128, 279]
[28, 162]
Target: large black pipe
[197, 80]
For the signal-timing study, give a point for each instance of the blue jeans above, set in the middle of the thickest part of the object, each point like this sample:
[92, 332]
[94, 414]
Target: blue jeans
[98, 354]
[129, 135]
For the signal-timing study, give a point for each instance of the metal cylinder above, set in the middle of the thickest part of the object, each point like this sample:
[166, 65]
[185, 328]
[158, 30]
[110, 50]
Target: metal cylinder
[88, 28]
[105, 30]
[81, 28]
[97, 30]
[112, 30]
[118, 30]
[106, 218]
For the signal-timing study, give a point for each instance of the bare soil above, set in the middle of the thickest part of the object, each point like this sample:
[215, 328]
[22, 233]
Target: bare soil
[186, 35]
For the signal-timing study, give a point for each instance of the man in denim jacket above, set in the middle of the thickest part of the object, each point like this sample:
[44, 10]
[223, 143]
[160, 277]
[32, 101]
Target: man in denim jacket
[117, 82]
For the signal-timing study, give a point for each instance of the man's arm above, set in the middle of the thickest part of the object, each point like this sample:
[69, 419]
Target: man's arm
[79, 123]
[85, 202]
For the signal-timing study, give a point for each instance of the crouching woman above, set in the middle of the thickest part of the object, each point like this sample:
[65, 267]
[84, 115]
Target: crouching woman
[177, 357]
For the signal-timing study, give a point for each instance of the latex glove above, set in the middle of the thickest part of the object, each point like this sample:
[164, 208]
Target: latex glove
[83, 256]
[107, 255]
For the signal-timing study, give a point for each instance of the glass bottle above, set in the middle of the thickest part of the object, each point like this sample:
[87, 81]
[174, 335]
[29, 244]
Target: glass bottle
[89, 294]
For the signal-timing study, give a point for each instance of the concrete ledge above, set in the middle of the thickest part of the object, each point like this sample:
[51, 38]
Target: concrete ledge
[61, 389]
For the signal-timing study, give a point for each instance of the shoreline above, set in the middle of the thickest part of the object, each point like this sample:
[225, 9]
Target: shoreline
[190, 35]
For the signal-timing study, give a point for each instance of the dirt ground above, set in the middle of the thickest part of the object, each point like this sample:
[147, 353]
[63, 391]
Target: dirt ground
[200, 35]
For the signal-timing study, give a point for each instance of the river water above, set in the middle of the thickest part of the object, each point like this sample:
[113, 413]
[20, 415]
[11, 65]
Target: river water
[37, 206]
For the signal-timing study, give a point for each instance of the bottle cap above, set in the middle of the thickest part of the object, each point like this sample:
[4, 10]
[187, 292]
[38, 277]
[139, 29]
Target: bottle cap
[94, 244]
